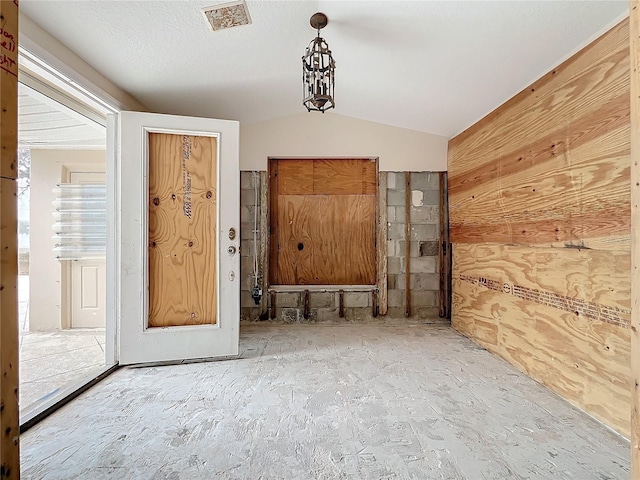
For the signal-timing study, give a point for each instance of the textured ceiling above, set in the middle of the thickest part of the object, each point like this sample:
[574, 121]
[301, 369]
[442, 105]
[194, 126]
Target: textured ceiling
[44, 123]
[430, 66]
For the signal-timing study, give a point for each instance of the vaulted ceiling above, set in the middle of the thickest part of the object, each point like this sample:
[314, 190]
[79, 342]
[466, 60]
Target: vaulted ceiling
[432, 66]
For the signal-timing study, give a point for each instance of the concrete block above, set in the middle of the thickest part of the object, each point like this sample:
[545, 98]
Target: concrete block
[358, 314]
[245, 179]
[391, 180]
[425, 281]
[430, 314]
[357, 299]
[321, 299]
[246, 247]
[424, 232]
[423, 265]
[425, 180]
[430, 248]
[288, 315]
[391, 247]
[328, 315]
[395, 265]
[391, 214]
[414, 249]
[395, 231]
[249, 314]
[246, 231]
[399, 182]
[395, 312]
[425, 214]
[246, 214]
[431, 197]
[313, 316]
[399, 214]
[391, 281]
[395, 298]
[395, 198]
[246, 300]
[424, 298]
[246, 197]
[288, 299]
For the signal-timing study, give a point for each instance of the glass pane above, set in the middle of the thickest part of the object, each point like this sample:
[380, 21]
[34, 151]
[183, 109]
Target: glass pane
[62, 232]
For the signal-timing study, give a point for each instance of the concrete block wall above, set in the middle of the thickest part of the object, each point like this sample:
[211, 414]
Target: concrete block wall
[424, 218]
[358, 306]
[248, 183]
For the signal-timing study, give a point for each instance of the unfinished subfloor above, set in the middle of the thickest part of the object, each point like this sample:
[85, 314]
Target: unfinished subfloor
[326, 402]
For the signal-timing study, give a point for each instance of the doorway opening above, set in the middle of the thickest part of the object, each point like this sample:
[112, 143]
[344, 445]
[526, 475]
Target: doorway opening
[62, 217]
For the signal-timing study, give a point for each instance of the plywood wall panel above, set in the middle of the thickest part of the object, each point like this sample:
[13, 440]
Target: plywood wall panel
[592, 77]
[337, 235]
[326, 233]
[509, 299]
[540, 219]
[293, 177]
[182, 230]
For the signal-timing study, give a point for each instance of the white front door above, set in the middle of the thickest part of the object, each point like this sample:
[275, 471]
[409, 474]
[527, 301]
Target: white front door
[179, 238]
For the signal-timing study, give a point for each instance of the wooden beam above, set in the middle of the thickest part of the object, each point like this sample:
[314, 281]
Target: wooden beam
[407, 244]
[634, 23]
[264, 242]
[382, 243]
[9, 414]
[445, 250]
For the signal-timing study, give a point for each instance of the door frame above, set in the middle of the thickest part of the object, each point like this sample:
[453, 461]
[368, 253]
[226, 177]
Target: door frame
[380, 238]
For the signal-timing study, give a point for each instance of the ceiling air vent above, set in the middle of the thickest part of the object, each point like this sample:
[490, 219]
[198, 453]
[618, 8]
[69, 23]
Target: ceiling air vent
[227, 15]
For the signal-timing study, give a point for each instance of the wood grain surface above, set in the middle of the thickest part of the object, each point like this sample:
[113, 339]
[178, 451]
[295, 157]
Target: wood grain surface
[382, 250]
[337, 233]
[552, 164]
[540, 218]
[323, 221]
[634, 19]
[506, 298]
[182, 230]
[9, 338]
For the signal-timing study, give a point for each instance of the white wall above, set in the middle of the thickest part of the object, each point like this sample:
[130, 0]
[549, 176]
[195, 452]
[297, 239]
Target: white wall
[48, 168]
[331, 135]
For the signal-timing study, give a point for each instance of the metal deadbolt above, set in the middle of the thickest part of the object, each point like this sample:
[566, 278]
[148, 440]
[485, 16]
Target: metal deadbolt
[232, 233]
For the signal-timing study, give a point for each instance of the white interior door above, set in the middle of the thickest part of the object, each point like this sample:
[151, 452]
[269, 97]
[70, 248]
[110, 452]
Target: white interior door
[179, 239]
[88, 276]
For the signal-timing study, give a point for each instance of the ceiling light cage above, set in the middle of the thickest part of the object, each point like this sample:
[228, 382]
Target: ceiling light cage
[318, 71]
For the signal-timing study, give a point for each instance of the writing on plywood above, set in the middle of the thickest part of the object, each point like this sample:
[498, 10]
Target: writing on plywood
[182, 230]
[591, 310]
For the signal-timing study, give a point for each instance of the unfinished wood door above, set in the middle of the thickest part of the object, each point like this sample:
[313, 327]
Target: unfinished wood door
[323, 221]
[180, 242]
[182, 229]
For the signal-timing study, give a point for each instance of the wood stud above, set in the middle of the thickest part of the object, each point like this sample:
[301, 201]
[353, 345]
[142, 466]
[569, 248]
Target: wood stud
[445, 251]
[634, 22]
[9, 360]
[407, 243]
[382, 244]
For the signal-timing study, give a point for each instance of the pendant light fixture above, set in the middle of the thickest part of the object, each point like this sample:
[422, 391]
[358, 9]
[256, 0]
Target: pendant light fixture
[318, 70]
